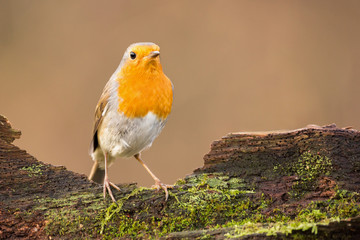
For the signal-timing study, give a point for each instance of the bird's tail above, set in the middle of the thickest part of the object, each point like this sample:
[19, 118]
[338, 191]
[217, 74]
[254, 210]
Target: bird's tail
[97, 174]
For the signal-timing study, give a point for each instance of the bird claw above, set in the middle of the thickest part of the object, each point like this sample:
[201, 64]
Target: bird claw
[107, 185]
[159, 185]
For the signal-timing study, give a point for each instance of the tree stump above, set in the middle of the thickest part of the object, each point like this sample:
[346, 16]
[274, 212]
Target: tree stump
[299, 184]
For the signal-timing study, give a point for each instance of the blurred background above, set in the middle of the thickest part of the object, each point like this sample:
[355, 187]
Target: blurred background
[236, 66]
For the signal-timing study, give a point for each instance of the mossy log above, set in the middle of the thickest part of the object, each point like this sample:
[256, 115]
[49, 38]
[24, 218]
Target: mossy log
[301, 184]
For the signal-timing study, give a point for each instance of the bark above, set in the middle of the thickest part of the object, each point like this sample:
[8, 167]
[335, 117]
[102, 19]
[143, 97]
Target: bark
[249, 180]
[253, 156]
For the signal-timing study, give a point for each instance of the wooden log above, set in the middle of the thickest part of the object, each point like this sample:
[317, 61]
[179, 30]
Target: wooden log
[277, 185]
[254, 156]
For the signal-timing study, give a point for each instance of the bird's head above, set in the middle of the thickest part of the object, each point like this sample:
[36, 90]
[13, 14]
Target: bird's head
[141, 58]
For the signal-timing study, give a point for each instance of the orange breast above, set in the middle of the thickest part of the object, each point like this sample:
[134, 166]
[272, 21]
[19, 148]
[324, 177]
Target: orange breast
[143, 91]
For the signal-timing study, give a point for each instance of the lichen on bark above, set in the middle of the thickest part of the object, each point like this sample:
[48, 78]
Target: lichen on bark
[299, 184]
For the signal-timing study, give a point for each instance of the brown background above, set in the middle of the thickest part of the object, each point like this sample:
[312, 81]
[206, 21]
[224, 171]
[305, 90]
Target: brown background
[236, 66]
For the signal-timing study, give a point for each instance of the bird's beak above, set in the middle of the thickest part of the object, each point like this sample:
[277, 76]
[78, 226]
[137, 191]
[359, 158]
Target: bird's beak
[154, 54]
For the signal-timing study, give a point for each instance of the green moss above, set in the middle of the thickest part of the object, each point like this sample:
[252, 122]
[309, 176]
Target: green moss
[203, 202]
[70, 214]
[33, 170]
[343, 206]
[205, 237]
[271, 229]
[116, 208]
[308, 168]
[209, 202]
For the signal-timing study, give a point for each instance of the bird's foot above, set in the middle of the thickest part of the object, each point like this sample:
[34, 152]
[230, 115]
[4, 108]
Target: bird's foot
[107, 185]
[158, 184]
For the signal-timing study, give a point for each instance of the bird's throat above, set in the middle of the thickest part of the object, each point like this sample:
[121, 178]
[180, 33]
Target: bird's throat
[141, 92]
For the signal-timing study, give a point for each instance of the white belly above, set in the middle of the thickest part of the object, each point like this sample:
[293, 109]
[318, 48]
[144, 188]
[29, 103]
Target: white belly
[123, 137]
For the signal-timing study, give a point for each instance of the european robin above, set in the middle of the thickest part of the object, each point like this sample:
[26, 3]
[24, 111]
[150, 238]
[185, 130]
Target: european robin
[132, 111]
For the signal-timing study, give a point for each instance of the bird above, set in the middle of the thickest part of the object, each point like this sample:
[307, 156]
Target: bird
[131, 112]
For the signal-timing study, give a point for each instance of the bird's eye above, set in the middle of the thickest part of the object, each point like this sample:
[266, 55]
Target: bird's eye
[132, 55]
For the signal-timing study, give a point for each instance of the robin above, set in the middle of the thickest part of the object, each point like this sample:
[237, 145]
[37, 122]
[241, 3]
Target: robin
[132, 111]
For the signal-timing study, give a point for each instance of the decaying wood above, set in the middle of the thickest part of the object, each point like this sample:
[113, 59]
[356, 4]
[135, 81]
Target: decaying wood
[31, 190]
[19, 187]
[253, 156]
[7, 133]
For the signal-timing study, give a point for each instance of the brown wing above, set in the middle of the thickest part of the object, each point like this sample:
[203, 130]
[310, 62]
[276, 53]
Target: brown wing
[99, 116]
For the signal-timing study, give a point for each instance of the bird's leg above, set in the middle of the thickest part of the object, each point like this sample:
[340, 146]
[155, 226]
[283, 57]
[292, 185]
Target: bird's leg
[107, 183]
[158, 183]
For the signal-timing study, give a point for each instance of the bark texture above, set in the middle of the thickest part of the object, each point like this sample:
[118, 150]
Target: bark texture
[253, 156]
[300, 184]
[24, 180]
